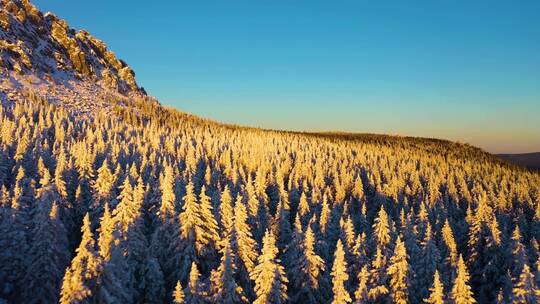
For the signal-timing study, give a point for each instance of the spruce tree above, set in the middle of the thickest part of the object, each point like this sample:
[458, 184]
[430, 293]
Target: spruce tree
[461, 291]
[151, 285]
[247, 251]
[426, 265]
[102, 189]
[450, 243]
[129, 221]
[325, 215]
[269, 275]
[224, 287]
[14, 230]
[381, 229]
[378, 284]
[315, 264]
[519, 254]
[190, 233]
[525, 290]
[208, 225]
[108, 236]
[194, 292]
[304, 267]
[399, 274]
[340, 277]
[80, 280]
[303, 206]
[361, 294]
[450, 252]
[178, 295]
[190, 218]
[49, 253]
[116, 278]
[166, 237]
[226, 212]
[436, 295]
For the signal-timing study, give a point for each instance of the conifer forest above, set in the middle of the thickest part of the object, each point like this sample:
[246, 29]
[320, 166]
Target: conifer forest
[140, 203]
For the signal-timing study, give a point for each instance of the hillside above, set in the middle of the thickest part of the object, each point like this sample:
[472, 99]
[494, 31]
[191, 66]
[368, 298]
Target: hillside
[40, 54]
[128, 201]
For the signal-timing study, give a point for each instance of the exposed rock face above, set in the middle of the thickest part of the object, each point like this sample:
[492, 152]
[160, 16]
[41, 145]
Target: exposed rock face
[40, 52]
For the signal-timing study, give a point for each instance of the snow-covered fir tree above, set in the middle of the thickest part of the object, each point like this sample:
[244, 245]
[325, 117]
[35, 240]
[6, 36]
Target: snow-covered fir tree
[340, 277]
[269, 274]
[461, 290]
[436, 292]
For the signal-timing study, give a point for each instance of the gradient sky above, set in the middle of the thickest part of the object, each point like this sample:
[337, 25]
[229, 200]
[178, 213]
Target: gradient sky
[461, 70]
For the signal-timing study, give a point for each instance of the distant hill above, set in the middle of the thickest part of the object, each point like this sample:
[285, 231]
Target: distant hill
[529, 160]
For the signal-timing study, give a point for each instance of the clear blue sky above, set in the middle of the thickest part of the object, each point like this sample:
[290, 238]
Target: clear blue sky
[461, 70]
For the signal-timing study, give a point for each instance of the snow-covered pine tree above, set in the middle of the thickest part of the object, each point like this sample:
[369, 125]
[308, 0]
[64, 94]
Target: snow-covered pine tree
[426, 265]
[340, 277]
[190, 217]
[519, 254]
[165, 240]
[436, 292]
[226, 213]
[152, 285]
[48, 253]
[178, 294]
[525, 290]
[195, 291]
[79, 284]
[224, 287]
[398, 270]
[484, 260]
[449, 252]
[269, 274]
[190, 233]
[303, 208]
[14, 235]
[247, 247]
[108, 237]
[461, 291]
[304, 267]
[381, 229]
[208, 238]
[102, 190]
[378, 284]
[324, 215]
[315, 264]
[129, 223]
[361, 295]
[115, 277]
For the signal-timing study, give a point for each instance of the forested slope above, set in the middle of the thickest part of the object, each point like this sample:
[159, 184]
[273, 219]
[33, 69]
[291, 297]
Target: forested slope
[151, 205]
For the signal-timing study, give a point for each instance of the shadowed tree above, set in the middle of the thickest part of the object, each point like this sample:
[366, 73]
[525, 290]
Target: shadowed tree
[79, 284]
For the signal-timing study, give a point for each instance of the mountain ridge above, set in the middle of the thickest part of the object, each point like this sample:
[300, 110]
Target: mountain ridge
[41, 54]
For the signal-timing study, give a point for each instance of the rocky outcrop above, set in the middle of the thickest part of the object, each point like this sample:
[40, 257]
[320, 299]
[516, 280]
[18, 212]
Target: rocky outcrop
[43, 45]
